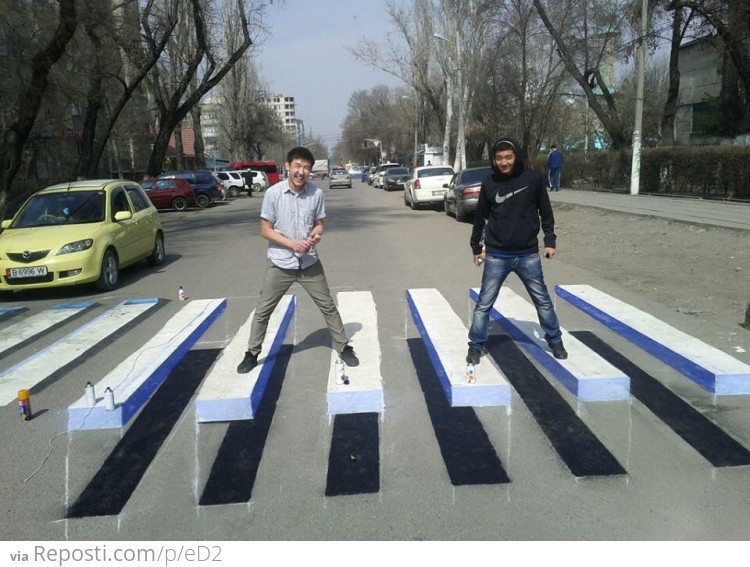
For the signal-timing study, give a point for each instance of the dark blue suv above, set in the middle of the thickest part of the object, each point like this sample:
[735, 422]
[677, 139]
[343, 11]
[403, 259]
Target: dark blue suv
[206, 186]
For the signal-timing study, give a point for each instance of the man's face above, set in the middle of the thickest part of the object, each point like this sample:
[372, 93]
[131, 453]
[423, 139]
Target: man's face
[505, 160]
[299, 172]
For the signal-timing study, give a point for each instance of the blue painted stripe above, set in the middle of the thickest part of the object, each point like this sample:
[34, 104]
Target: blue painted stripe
[704, 378]
[141, 301]
[445, 382]
[131, 406]
[256, 396]
[74, 305]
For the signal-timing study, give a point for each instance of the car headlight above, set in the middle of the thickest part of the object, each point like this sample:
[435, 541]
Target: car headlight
[77, 246]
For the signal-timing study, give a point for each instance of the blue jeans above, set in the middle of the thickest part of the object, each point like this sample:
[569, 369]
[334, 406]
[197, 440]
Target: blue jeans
[529, 269]
[554, 177]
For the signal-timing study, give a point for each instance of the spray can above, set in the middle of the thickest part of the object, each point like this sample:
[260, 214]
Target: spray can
[109, 399]
[24, 405]
[471, 374]
[340, 372]
[181, 294]
[90, 394]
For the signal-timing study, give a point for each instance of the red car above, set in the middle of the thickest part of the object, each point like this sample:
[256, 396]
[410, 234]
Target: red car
[169, 193]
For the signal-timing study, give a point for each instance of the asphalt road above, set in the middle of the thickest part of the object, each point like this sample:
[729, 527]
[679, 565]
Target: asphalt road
[665, 490]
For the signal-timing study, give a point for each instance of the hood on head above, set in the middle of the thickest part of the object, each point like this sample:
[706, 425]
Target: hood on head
[520, 158]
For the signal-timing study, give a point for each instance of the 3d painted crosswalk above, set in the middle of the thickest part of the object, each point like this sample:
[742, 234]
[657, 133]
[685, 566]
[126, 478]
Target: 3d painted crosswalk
[439, 364]
[712, 369]
[589, 377]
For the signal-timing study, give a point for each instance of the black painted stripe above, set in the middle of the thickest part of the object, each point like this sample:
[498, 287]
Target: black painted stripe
[354, 460]
[233, 473]
[114, 483]
[467, 452]
[578, 447]
[710, 440]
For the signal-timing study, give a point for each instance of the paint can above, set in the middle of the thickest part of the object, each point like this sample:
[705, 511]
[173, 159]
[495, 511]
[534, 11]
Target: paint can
[181, 294]
[109, 399]
[471, 373]
[24, 405]
[90, 394]
[340, 372]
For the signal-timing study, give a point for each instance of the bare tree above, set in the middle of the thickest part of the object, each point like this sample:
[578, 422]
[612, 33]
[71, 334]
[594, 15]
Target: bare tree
[29, 99]
[175, 98]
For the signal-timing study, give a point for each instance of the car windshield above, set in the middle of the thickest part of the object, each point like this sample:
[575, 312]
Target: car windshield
[396, 171]
[339, 172]
[435, 171]
[69, 207]
[474, 175]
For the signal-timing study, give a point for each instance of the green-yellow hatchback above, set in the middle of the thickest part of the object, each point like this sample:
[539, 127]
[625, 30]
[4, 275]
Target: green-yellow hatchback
[78, 233]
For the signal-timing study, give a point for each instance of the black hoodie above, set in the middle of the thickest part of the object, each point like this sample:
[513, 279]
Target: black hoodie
[511, 207]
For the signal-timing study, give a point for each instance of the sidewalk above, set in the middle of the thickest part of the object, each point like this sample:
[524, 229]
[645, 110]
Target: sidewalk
[698, 211]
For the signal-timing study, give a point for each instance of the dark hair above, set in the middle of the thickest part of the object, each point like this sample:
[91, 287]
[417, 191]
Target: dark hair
[503, 146]
[300, 152]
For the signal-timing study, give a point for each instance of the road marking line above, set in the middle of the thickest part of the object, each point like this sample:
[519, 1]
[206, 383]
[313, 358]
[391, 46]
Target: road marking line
[364, 393]
[446, 339]
[584, 373]
[709, 367]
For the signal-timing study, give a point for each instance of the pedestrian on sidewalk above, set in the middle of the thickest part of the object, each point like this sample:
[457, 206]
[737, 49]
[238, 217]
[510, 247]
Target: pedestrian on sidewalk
[512, 206]
[554, 164]
[291, 219]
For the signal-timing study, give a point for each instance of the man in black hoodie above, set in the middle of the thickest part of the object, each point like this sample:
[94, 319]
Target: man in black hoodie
[512, 202]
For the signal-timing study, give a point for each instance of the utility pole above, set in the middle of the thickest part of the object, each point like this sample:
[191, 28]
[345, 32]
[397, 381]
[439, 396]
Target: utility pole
[635, 169]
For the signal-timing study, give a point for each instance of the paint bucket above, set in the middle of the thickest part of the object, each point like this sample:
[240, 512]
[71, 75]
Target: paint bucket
[24, 405]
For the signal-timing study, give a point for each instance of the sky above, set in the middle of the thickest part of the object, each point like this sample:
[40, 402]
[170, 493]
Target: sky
[307, 58]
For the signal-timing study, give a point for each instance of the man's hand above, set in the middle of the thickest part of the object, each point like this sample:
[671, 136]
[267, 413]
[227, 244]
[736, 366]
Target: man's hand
[549, 252]
[478, 259]
[301, 246]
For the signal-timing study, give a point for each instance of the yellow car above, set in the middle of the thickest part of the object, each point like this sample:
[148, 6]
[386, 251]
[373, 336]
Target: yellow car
[77, 233]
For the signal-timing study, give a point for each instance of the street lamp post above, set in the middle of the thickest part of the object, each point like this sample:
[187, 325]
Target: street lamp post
[416, 124]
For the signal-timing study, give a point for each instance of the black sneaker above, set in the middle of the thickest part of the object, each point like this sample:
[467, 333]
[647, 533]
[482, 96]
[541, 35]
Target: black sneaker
[248, 363]
[559, 352]
[348, 356]
[473, 355]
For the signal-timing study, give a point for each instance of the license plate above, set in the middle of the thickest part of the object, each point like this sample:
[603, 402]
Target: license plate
[26, 272]
[438, 193]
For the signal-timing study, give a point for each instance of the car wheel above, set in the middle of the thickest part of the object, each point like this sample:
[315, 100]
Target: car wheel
[406, 201]
[180, 204]
[202, 200]
[109, 274]
[413, 204]
[460, 214]
[158, 254]
[256, 187]
[234, 191]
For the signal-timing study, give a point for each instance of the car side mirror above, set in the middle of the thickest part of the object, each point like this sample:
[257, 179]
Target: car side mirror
[6, 223]
[123, 216]
[445, 186]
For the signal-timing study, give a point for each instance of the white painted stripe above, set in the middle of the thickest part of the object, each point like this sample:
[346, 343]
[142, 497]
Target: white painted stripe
[364, 393]
[35, 324]
[446, 338]
[135, 379]
[586, 374]
[711, 368]
[35, 369]
[229, 396]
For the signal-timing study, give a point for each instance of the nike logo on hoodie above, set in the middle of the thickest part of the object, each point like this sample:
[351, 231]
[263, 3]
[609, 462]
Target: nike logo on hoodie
[505, 197]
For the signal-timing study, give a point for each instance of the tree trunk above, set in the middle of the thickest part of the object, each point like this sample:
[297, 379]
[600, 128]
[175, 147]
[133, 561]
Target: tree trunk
[670, 106]
[159, 151]
[179, 151]
[199, 148]
[15, 137]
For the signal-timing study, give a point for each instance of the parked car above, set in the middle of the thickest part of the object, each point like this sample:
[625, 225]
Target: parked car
[206, 186]
[77, 233]
[232, 181]
[339, 177]
[355, 171]
[463, 192]
[255, 180]
[395, 178]
[425, 185]
[174, 194]
[377, 176]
